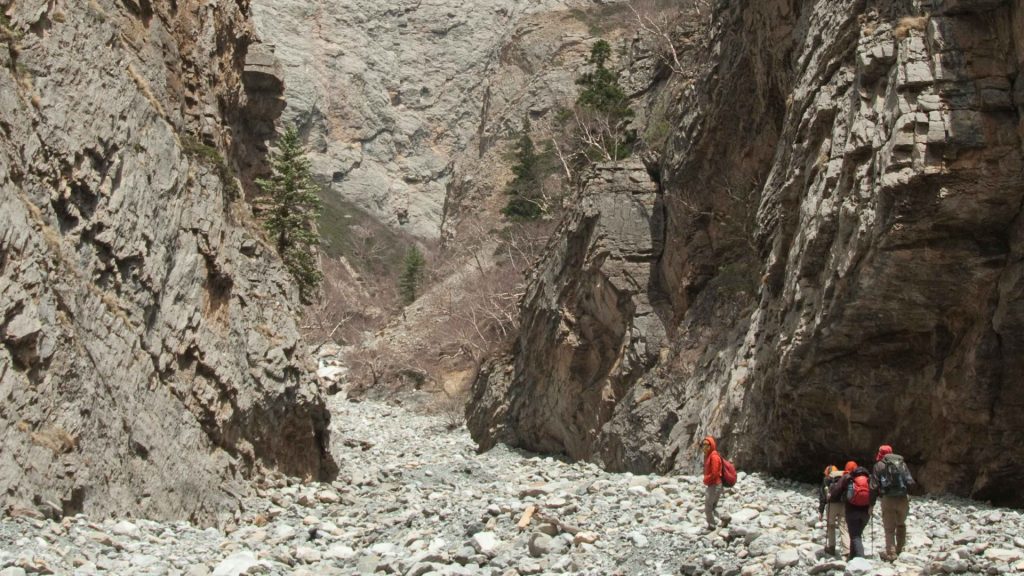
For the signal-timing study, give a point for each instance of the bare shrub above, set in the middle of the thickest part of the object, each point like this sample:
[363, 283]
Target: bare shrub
[483, 305]
[451, 407]
[908, 24]
[662, 22]
[58, 440]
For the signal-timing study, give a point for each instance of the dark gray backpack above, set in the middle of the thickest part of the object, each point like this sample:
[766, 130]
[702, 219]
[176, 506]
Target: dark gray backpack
[894, 478]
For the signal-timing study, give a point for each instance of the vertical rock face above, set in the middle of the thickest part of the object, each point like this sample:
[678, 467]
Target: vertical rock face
[148, 350]
[841, 257]
[589, 309]
[389, 94]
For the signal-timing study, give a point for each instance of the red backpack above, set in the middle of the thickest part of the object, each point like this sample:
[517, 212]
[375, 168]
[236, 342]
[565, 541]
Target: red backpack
[858, 491]
[728, 473]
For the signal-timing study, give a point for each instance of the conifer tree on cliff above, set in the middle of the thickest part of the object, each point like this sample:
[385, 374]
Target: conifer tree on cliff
[602, 110]
[294, 206]
[524, 203]
[413, 272]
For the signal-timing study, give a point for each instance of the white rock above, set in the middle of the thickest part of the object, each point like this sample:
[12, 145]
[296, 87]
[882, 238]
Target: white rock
[485, 543]
[126, 528]
[1003, 555]
[859, 567]
[328, 497]
[307, 554]
[786, 558]
[744, 515]
[339, 552]
[236, 564]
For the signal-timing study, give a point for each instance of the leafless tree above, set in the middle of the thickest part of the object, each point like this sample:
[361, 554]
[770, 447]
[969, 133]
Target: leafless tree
[659, 21]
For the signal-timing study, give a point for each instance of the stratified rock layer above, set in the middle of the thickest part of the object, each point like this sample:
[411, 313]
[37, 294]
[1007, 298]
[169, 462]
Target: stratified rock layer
[148, 351]
[841, 256]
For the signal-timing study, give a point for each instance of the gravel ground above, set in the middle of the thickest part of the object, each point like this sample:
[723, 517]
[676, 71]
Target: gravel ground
[414, 498]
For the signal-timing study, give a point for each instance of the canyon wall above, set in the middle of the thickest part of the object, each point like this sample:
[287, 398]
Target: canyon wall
[150, 359]
[391, 95]
[831, 259]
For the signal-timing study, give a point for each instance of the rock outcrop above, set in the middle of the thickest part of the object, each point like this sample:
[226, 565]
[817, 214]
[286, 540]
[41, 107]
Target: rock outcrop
[842, 191]
[590, 303]
[389, 95]
[149, 356]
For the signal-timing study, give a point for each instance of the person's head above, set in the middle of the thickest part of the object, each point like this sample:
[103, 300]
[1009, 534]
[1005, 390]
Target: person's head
[708, 445]
[883, 451]
[830, 469]
[850, 467]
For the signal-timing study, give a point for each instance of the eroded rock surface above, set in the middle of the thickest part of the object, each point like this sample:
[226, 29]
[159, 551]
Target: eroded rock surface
[390, 94]
[149, 357]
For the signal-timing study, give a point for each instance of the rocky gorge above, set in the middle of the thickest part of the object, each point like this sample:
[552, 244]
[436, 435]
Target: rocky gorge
[809, 247]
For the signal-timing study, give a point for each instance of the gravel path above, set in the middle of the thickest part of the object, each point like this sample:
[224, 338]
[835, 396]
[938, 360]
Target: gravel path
[415, 499]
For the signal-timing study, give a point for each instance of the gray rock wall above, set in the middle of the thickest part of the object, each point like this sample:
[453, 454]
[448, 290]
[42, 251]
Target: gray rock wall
[842, 191]
[391, 94]
[149, 357]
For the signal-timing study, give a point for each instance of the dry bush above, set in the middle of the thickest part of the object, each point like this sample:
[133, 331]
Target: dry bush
[470, 312]
[483, 307]
[451, 407]
[55, 438]
[675, 28]
[908, 24]
[342, 311]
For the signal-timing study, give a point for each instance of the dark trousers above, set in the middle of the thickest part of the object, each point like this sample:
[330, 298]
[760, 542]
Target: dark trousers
[856, 520]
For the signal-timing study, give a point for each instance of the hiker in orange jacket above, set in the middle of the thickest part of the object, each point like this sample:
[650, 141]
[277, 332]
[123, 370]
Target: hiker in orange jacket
[712, 482]
[835, 520]
[858, 502]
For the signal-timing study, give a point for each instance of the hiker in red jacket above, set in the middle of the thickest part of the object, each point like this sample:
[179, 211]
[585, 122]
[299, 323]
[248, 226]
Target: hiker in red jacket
[712, 482]
[855, 490]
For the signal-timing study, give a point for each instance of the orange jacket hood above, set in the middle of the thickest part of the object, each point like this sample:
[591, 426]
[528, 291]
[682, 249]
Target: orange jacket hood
[883, 451]
[710, 440]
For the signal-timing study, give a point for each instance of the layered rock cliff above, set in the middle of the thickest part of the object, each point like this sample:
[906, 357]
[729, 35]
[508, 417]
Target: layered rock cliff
[150, 357]
[837, 265]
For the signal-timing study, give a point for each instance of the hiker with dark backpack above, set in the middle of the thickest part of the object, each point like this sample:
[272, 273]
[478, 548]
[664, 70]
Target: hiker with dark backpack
[717, 471]
[891, 479]
[835, 519]
[854, 488]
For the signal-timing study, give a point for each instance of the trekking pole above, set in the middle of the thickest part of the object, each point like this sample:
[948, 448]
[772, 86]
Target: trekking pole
[872, 520]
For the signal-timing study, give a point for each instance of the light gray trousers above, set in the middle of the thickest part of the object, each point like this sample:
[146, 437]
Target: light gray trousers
[711, 495]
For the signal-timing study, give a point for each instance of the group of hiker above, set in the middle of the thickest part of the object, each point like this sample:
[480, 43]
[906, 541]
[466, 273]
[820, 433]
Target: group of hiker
[848, 495]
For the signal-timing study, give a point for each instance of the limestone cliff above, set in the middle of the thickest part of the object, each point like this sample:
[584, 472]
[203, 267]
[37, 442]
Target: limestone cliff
[150, 357]
[838, 265]
[391, 94]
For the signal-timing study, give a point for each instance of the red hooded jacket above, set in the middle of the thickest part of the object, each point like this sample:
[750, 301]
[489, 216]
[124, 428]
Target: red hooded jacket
[712, 464]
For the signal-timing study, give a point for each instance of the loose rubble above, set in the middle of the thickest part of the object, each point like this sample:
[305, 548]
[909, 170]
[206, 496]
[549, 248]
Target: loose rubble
[415, 499]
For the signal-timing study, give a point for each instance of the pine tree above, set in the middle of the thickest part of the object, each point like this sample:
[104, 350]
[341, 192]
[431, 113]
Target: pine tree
[294, 206]
[605, 103]
[526, 183]
[410, 281]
